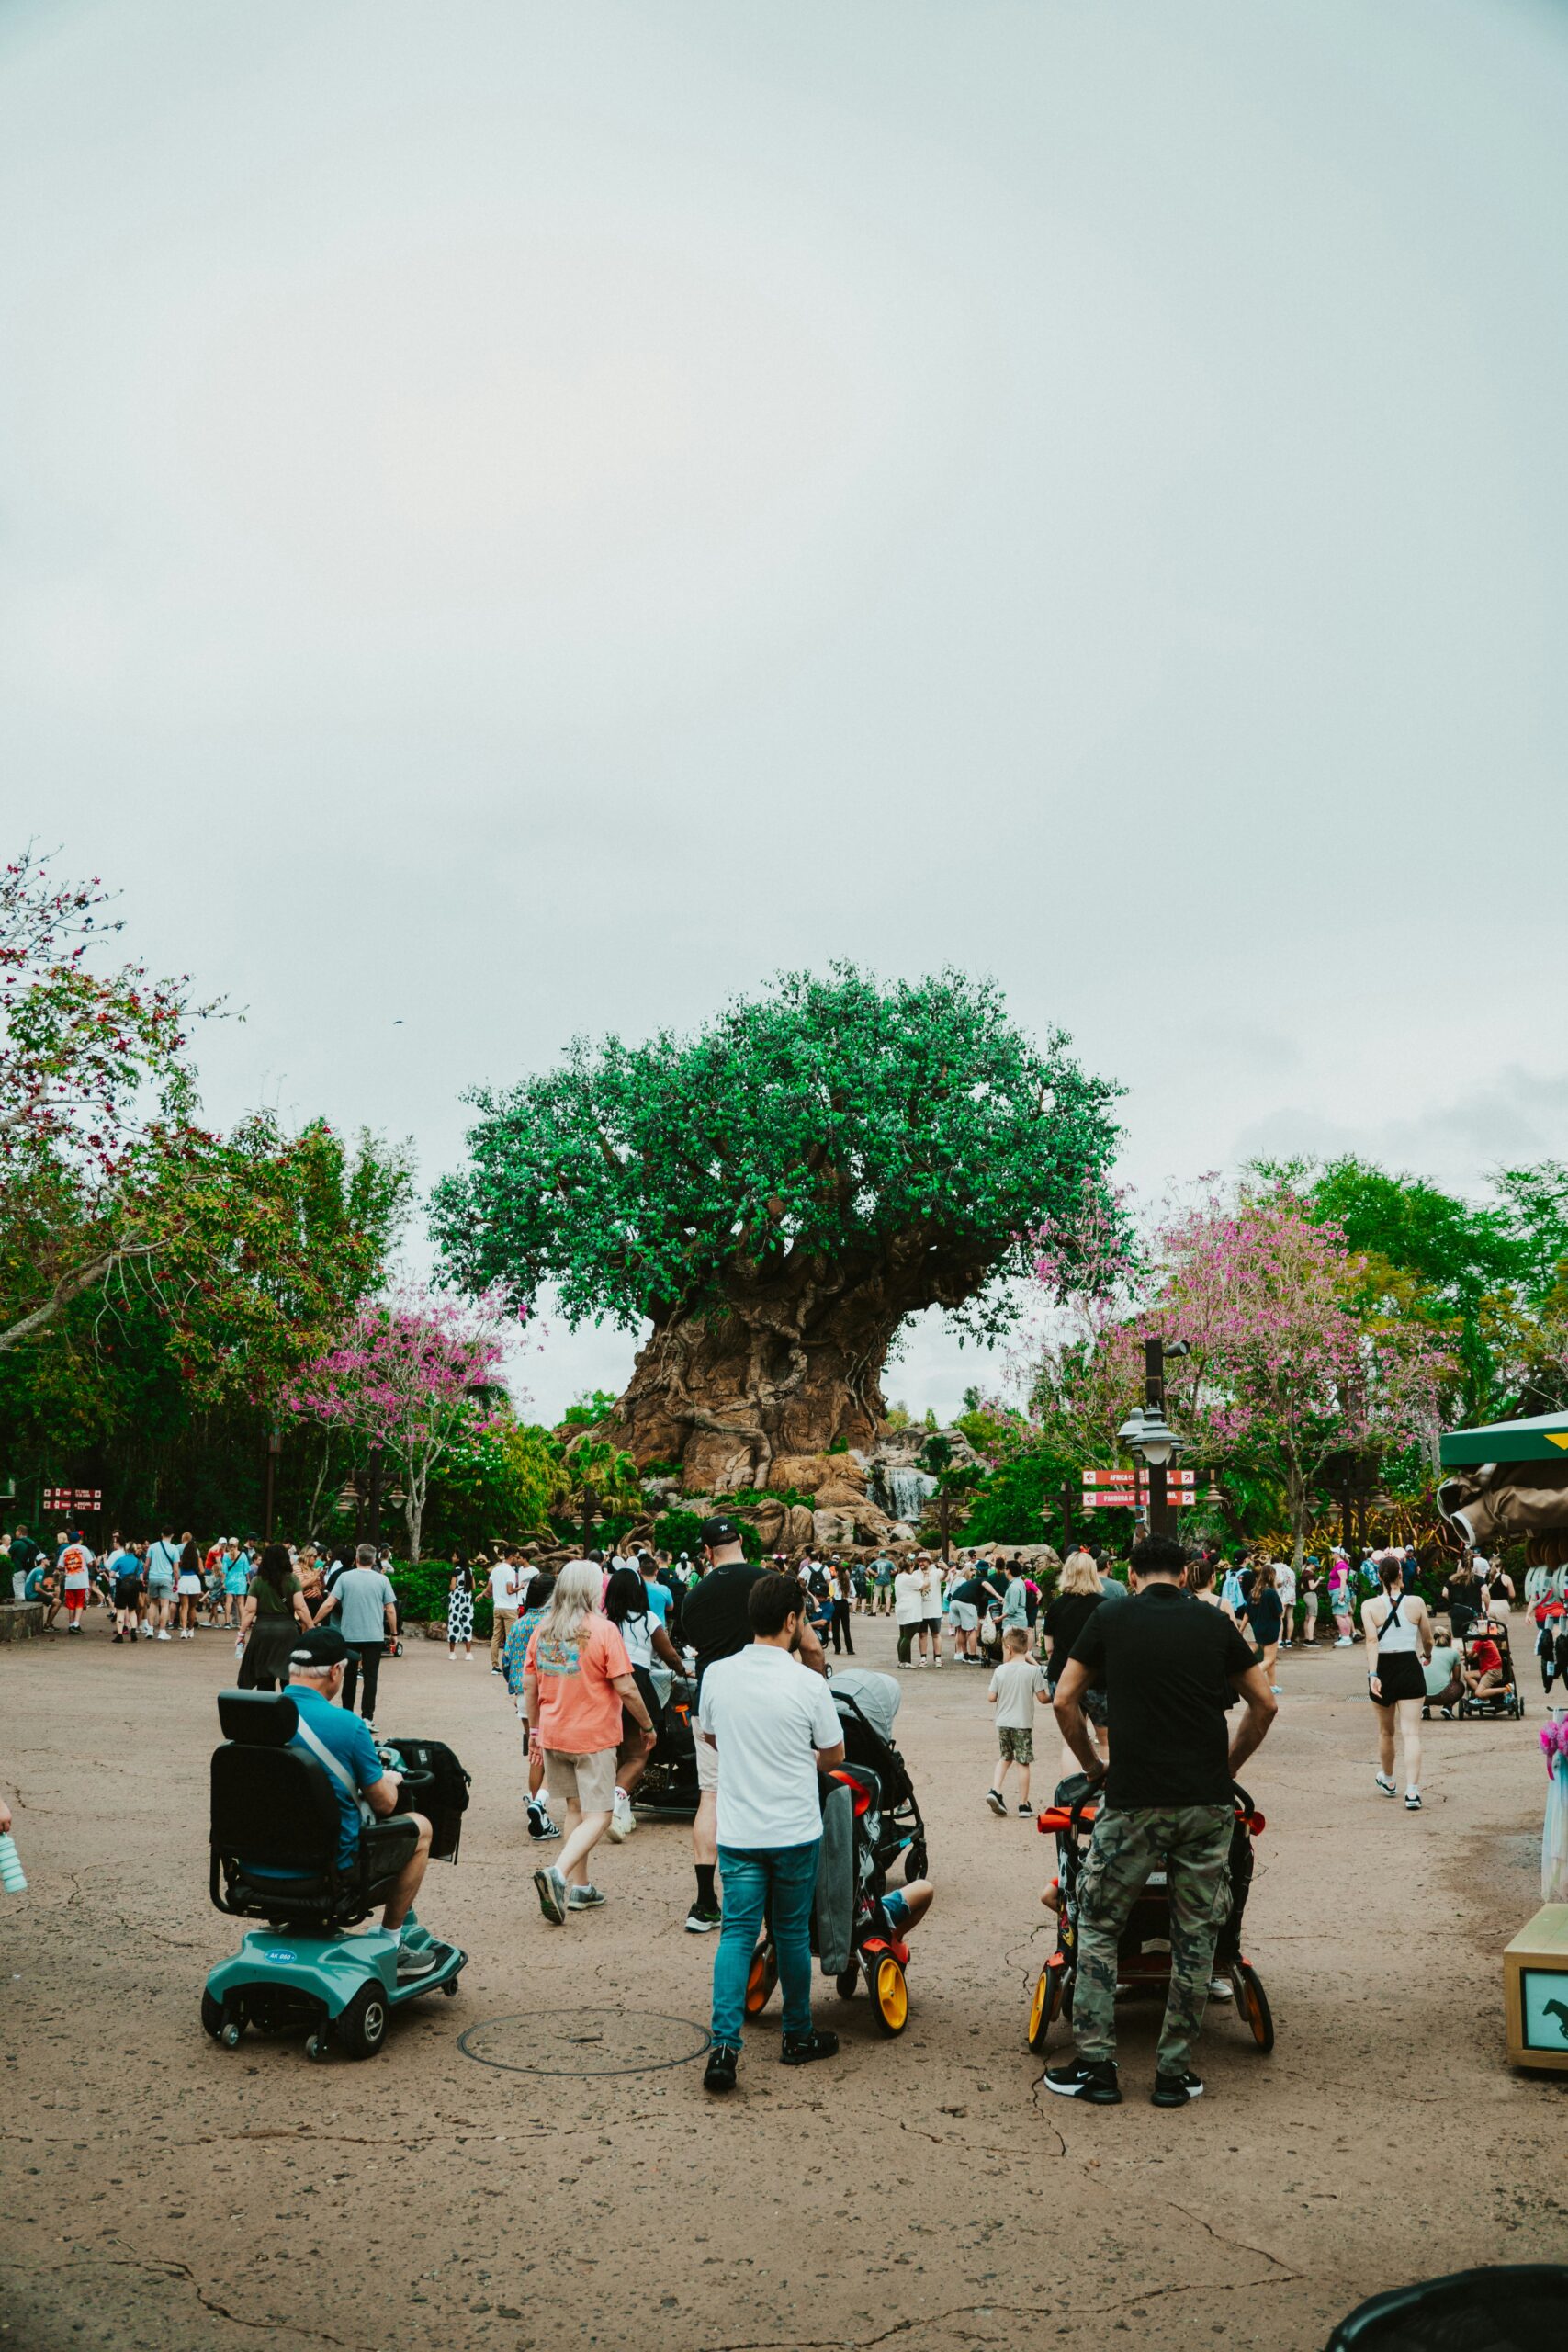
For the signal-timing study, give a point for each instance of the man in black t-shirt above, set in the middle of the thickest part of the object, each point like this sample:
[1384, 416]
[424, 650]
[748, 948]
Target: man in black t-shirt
[716, 1621]
[1171, 1667]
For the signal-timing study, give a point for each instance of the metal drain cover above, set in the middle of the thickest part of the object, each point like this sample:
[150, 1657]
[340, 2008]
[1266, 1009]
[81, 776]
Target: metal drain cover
[585, 2041]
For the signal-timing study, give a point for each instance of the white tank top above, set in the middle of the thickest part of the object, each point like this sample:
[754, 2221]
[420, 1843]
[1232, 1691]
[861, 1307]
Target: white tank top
[1395, 1634]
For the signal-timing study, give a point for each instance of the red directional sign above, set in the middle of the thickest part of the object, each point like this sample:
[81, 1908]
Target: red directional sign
[1126, 1478]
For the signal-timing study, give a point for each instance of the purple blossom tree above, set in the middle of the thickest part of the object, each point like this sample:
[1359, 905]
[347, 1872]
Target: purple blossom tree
[420, 1372]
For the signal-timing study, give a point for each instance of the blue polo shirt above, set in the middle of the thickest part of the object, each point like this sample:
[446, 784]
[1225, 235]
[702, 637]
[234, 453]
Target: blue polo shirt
[660, 1600]
[349, 1741]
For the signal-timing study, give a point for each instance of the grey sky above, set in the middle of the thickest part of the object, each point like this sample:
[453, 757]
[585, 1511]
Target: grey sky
[517, 519]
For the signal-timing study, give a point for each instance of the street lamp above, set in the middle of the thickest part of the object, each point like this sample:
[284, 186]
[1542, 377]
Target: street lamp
[1147, 1434]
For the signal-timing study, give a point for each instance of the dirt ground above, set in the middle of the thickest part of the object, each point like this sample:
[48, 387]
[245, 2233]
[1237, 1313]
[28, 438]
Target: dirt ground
[923, 2193]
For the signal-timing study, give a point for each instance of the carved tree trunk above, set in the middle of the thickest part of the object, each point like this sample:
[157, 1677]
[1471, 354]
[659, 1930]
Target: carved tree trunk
[788, 1365]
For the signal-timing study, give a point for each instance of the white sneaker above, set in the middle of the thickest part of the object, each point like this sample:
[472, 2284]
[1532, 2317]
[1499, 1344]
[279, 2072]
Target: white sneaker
[162, 1633]
[1412, 1800]
[623, 1820]
[1385, 1784]
[1345, 1642]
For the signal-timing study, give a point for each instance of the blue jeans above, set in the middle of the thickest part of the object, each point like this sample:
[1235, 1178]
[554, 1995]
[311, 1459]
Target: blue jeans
[775, 1884]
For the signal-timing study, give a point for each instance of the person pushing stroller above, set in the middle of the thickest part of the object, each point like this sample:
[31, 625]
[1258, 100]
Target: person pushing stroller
[1171, 1669]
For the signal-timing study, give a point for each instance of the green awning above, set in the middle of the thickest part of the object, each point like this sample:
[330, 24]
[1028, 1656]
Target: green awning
[1544, 1439]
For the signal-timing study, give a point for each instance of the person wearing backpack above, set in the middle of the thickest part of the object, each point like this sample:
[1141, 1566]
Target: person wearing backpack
[75, 1570]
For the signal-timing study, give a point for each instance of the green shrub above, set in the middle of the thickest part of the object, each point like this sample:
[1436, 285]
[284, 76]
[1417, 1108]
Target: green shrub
[421, 1590]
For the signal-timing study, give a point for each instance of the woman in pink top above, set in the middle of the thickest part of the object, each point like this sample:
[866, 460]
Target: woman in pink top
[575, 1679]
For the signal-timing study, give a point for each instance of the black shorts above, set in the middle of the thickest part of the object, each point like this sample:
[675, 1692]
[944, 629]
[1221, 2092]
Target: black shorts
[1400, 1677]
[128, 1592]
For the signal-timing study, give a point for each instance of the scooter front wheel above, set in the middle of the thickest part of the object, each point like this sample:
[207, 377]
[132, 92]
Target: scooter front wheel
[212, 2016]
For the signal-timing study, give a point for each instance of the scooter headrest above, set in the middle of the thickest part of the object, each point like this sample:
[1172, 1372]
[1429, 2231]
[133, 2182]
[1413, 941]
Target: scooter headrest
[259, 1718]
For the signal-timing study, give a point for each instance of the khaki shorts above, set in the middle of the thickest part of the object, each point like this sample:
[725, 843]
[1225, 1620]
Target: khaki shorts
[587, 1781]
[707, 1759]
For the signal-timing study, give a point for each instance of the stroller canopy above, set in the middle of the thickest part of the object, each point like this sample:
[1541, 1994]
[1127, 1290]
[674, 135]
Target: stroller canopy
[878, 1696]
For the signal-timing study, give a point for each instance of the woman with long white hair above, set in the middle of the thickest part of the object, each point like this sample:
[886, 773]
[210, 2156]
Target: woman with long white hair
[576, 1678]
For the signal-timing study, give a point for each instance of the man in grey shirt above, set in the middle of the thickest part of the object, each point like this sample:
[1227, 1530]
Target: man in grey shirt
[368, 1619]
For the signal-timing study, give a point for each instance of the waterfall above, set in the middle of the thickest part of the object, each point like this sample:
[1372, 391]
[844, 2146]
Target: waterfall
[907, 1489]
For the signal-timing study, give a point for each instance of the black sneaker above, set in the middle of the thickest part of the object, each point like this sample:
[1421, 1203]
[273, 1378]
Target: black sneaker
[1090, 2078]
[703, 1919]
[1177, 2090]
[541, 1829]
[800, 2049]
[718, 2075]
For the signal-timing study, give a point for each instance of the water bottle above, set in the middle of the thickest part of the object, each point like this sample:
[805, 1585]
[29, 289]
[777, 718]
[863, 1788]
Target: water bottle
[11, 1874]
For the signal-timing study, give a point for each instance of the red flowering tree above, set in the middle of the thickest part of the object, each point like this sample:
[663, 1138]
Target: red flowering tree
[420, 1372]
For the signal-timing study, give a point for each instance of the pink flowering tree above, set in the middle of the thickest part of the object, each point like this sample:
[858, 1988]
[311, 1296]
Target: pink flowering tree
[1285, 1364]
[420, 1372]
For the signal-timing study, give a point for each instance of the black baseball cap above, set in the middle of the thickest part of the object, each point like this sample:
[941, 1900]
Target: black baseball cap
[323, 1646]
[720, 1529]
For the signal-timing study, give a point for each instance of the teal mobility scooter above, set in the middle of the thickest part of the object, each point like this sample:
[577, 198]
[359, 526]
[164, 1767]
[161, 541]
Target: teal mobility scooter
[276, 1828]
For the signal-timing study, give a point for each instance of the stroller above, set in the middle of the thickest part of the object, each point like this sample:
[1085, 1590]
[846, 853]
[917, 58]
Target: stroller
[1505, 1697]
[1143, 1959]
[870, 1819]
[668, 1789]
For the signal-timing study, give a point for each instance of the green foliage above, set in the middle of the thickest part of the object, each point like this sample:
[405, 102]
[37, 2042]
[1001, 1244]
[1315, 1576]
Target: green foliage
[589, 1411]
[1481, 1276]
[1017, 1503]
[909, 1127]
[423, 1590]
[682, 1531]
[678, 1532]
[493, 1488]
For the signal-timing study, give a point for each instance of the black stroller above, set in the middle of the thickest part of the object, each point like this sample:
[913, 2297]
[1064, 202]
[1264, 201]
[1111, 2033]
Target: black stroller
[871, 1818]
[668, 1789]
[1143, 1958]
[1504, 1697]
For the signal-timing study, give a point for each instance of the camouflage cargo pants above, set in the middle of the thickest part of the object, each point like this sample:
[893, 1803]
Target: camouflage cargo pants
[1192, 1842]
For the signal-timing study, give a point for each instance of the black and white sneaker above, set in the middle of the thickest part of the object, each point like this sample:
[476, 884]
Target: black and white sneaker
[719, 2072]
[541, 1829]
[1089, 2078]
[1177, 2090]
[703, 1919]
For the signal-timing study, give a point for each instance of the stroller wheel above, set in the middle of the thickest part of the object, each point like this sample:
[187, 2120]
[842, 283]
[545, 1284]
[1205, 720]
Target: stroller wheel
[890, 1995]
[844, 1985]
[917, 1861]
[1252, 2007]
[1052, 1991]
[760, 1982]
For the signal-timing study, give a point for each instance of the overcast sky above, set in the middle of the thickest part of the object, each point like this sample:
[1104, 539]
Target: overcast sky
[518, 519]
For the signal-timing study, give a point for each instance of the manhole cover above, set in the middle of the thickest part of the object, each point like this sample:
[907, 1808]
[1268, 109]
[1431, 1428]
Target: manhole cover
[585, 2041]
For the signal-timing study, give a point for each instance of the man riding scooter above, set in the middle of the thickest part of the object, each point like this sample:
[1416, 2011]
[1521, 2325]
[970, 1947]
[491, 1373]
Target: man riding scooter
[340, 1742]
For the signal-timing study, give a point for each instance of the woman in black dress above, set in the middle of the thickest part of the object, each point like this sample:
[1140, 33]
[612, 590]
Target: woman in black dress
[271, 1613]
[1263, 1614]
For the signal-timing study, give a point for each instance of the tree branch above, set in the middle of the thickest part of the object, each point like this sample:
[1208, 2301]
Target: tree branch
[71, 1285]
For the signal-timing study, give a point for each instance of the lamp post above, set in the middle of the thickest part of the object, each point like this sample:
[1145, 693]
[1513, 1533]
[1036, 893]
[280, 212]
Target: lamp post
[269, 1487]
[1147, 1433]
[373, 1530]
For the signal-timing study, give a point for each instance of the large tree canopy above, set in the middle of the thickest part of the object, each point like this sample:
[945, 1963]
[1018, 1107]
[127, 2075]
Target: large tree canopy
[814, 1166]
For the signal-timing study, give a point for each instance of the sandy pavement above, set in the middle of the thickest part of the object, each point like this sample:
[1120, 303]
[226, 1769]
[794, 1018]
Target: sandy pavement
[923, 2193]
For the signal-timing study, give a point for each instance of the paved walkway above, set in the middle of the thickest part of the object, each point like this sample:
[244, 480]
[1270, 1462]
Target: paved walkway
[922, 2193]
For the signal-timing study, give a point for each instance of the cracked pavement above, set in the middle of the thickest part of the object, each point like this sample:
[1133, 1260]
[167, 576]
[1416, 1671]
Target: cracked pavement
[924, 2193]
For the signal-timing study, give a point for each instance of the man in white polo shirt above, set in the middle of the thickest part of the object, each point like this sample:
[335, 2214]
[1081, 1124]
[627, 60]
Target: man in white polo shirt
[775, 1728]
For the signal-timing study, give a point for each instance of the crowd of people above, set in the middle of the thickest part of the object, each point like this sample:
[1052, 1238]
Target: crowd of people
[1139, 1665]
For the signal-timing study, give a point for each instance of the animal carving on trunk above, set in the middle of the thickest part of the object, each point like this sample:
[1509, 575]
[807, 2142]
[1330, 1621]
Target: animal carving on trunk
[776, 1196]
